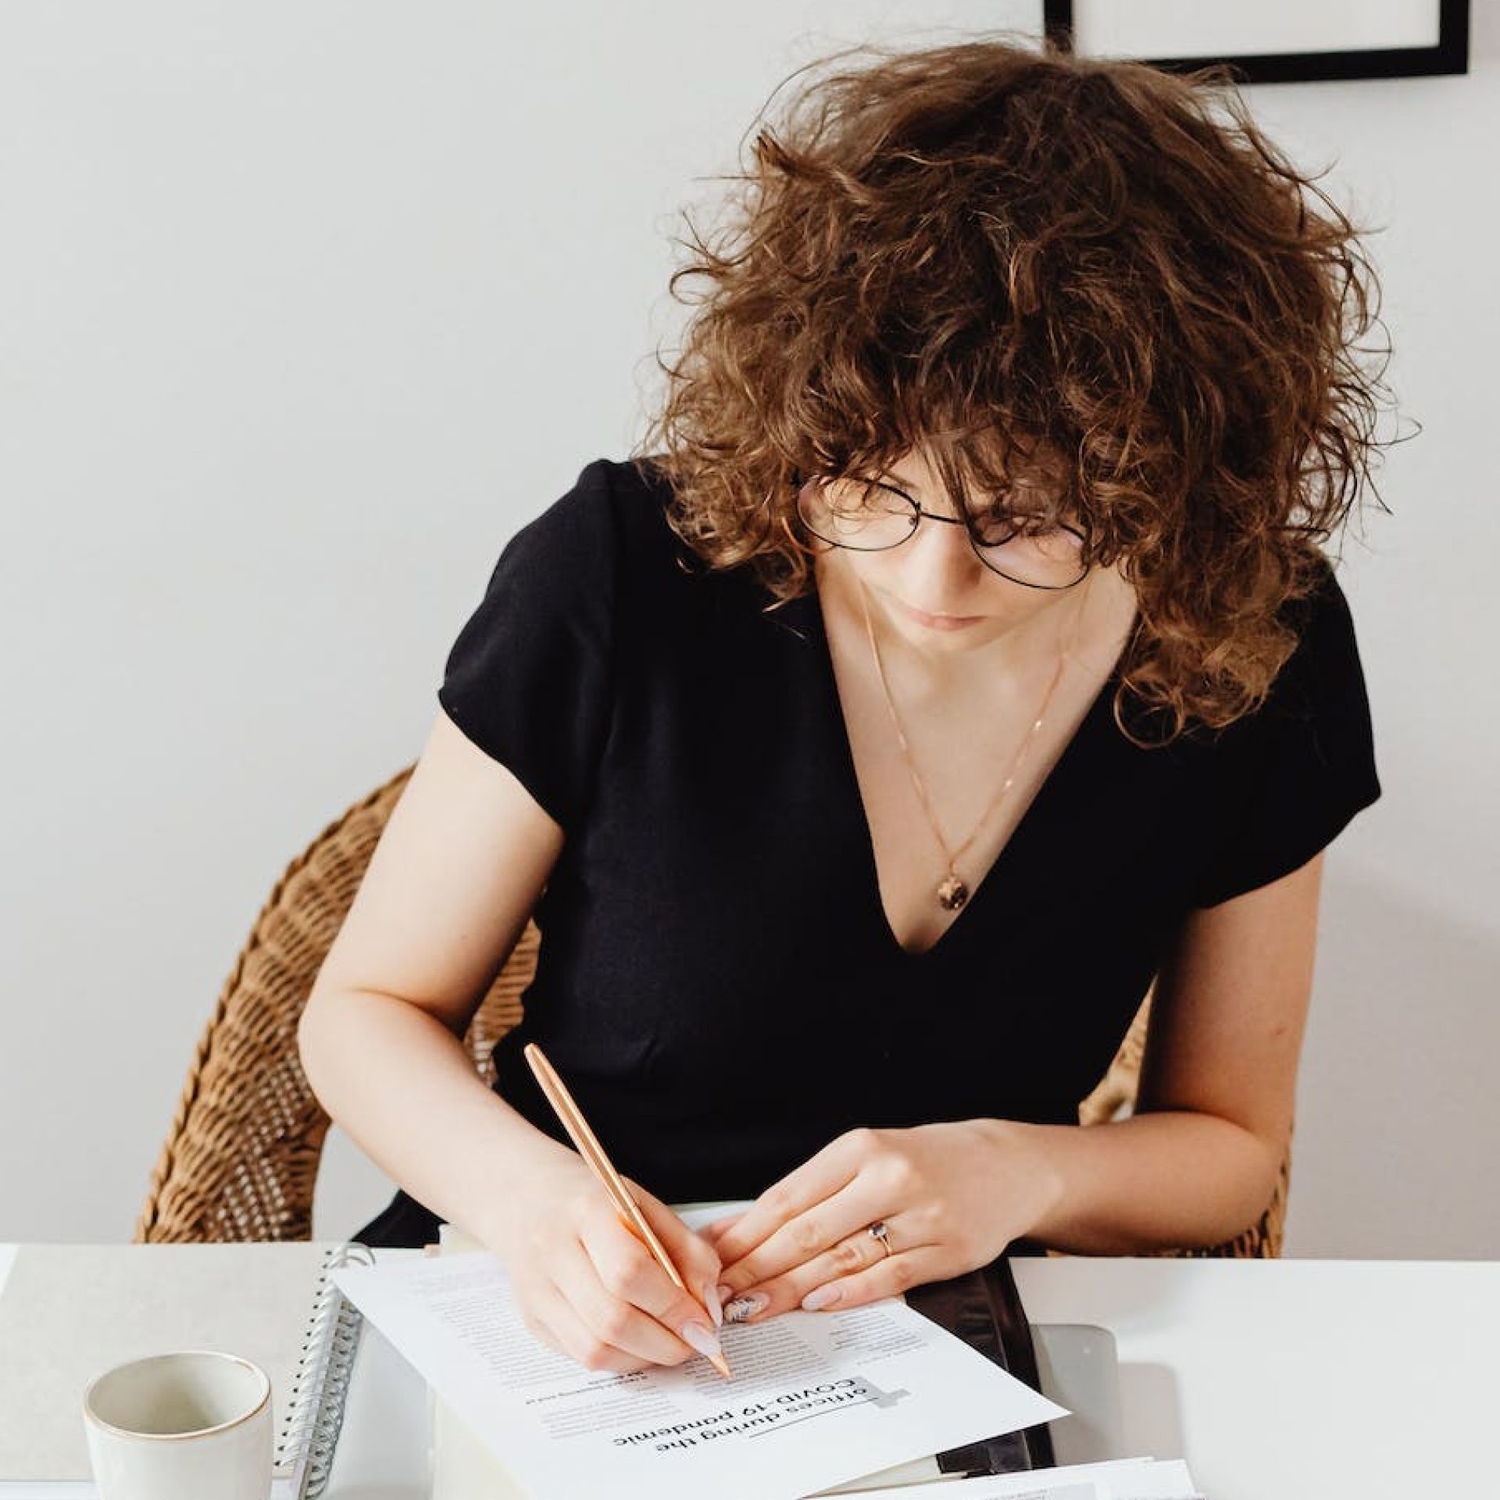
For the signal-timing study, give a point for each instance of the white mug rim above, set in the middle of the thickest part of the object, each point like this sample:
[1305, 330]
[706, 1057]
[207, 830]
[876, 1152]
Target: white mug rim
[95, 1420]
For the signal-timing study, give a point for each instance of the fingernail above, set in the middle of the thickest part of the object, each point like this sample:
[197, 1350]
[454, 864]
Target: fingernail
[725, 1291]
[746, 1307]
[714, 1302]
[702, 1338]
[824, 1296]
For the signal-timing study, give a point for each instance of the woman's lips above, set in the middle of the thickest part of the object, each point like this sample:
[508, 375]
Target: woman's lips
[939, 622]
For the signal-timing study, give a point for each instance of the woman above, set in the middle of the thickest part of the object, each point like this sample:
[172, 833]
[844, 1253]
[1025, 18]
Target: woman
[960, 660]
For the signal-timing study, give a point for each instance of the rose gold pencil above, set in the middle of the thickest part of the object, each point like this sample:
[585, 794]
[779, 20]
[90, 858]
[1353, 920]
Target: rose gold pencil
[583, 1137]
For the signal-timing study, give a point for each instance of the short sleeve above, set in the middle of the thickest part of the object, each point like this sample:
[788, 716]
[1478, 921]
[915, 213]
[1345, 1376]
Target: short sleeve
[1299, 768]
[529, 678]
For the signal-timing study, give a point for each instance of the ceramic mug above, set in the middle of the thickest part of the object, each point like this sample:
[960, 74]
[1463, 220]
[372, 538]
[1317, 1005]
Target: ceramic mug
[182, 1426]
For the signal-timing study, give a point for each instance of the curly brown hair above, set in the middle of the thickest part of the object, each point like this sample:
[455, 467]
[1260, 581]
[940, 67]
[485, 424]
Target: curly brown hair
[1002, 252]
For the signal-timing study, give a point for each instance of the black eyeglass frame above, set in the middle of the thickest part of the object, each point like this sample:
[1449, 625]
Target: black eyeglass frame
[918, 515]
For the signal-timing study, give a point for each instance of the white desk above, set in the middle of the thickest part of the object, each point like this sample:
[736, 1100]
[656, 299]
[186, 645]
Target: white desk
[1276, 1380]
[1299, 1380]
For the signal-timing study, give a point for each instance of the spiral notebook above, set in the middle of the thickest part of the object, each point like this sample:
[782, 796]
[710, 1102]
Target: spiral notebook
[69, 1312]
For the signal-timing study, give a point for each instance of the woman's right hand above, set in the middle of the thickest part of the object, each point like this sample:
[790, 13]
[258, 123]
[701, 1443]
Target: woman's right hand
[590, 1288]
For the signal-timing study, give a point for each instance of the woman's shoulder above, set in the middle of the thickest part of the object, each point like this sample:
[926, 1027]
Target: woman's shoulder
[623, 495]
[1316, 714]
[1290, 775]
[1324, 667]
[1318, 696]
[635, 484]
[615, 512]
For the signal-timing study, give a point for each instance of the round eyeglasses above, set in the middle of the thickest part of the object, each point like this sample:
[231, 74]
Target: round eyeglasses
[869, 515]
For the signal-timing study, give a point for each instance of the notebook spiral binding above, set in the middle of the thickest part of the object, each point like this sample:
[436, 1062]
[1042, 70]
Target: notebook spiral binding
[315, 1409]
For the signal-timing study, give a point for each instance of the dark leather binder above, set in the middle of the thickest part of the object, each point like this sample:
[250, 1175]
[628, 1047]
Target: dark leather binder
[983, 1308]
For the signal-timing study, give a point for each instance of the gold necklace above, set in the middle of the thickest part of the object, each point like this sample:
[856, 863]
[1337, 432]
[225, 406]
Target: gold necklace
[953, 890]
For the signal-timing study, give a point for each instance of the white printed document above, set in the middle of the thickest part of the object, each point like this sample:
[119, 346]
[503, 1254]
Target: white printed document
[815, 1399]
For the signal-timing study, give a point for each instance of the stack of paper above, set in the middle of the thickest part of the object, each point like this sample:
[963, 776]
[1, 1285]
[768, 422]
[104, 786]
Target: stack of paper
[816, 1398]
[1126, 1479]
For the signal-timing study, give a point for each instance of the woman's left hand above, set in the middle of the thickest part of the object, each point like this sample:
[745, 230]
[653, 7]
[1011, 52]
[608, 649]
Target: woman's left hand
[951, 1196]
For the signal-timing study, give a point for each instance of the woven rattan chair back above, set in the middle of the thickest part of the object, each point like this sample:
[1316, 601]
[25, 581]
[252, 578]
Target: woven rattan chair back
[241, 1158]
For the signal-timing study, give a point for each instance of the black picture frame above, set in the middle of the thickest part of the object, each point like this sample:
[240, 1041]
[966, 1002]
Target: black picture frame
[1451, 55]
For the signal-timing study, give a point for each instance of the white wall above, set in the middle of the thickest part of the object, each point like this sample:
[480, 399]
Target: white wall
[304, 308]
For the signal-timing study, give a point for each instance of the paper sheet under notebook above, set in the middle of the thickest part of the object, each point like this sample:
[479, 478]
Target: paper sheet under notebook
[816, 1398]
[1118, 1479]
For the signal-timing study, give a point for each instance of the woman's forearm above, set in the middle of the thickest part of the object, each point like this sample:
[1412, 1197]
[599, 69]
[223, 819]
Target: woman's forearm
[402, 1085]
[1154, 1181]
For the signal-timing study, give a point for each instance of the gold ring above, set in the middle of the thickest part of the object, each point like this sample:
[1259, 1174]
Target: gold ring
[878, 1232]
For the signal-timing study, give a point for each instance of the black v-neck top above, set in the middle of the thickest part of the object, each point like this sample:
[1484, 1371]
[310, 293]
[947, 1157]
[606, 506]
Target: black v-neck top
[718, 983]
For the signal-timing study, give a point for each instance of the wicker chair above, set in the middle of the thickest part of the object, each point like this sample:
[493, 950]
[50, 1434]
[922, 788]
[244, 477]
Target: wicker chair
[242, 1154]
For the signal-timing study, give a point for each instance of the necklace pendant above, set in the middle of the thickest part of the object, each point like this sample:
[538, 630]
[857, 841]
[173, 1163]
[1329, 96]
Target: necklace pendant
[952, 893]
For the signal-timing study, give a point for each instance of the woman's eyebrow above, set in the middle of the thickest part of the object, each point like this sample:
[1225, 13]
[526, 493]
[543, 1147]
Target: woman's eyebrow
[1031, 489]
